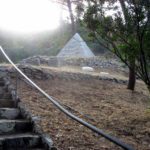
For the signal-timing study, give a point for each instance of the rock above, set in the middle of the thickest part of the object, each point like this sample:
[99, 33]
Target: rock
[88, 69]
[104, 73]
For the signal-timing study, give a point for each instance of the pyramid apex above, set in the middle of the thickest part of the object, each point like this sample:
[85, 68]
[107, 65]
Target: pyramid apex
[76, 34]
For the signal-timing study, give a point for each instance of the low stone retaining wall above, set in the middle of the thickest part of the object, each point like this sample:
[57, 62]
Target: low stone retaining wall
[31, 72]
[41, 60]
[83, 76]
[96, 62]
[42, 74]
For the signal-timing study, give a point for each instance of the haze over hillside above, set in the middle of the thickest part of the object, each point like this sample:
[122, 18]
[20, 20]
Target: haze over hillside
[43, 43]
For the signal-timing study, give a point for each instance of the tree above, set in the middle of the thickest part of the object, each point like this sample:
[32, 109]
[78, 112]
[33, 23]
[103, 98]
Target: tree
[132, 77]
[68, 4]
[125, 33]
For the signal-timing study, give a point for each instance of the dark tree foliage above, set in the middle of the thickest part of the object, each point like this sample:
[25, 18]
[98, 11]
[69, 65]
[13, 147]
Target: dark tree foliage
[126, 33]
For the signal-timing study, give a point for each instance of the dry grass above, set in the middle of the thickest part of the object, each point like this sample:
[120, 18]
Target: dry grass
[107, 105]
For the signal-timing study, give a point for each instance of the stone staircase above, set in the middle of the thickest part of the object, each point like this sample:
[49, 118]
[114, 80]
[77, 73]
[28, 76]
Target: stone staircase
[16, 132]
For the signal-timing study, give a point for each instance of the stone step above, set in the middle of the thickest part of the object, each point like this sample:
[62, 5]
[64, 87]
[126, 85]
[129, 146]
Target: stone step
[27, 149]
[1, 90]
[9, 113]
[37, 149]
[7, 103]
[15, 126]
[5, 96]
[2, 83]
[20, 141]
[22, 148]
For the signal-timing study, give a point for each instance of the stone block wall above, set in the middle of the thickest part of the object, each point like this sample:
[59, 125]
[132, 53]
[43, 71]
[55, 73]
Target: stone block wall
[96, 62]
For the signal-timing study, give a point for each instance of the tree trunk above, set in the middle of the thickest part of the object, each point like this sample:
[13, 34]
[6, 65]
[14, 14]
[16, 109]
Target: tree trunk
[132, 77]
[123, 7]
[89, 3]
[71, 16]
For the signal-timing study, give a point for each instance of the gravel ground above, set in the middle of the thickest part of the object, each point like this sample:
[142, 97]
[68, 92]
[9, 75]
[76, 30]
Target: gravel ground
[109, 106]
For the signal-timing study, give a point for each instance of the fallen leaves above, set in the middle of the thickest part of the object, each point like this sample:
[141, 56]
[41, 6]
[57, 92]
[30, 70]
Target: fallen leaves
[114, 109]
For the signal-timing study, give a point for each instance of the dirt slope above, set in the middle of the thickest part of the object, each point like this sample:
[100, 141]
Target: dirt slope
[107, 105]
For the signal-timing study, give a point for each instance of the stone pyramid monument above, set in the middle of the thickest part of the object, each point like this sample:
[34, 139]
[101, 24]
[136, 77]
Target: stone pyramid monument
[76, 47]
